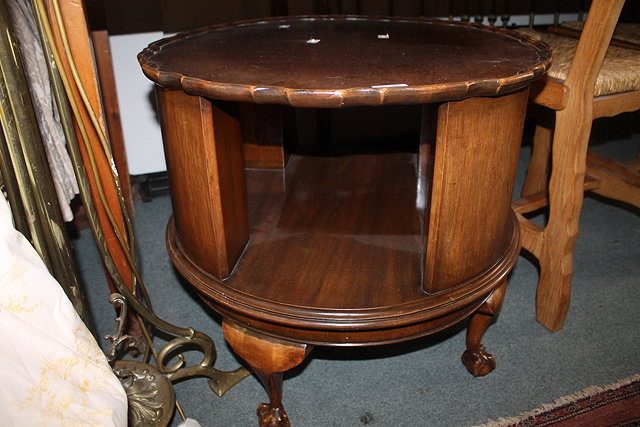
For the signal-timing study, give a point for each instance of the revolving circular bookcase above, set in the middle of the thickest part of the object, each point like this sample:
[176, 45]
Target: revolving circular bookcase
[345, 247]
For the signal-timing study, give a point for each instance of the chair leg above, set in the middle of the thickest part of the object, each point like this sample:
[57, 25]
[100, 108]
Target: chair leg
[554, 285]
[269, 358]
[559, 237]
[537, 178]
[566, 194]
[476, 359]
[556, 256]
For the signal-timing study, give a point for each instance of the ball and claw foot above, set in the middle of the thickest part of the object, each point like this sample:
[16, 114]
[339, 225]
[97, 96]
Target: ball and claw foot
[479, 363]
[272, 417]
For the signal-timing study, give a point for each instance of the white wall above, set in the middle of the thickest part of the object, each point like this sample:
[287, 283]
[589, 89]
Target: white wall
[142, 137]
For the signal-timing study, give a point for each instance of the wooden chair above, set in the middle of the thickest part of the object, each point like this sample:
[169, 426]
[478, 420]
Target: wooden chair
[588, 80]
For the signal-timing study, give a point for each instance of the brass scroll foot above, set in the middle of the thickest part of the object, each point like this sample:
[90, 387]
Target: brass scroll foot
[221, 382]
[149, 393]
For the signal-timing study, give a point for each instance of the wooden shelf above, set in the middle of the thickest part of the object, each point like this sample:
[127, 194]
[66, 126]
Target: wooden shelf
[334, 231]
[337, 242]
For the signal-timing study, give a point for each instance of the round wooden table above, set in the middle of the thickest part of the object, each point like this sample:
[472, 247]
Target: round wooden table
[356, 246]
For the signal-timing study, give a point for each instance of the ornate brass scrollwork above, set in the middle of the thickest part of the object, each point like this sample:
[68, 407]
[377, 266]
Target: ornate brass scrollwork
[188, 338]
[150, 394]
[118, 338]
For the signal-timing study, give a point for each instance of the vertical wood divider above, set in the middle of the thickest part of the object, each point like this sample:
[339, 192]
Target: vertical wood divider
[476, 158]
[205, 163]
[266, 134]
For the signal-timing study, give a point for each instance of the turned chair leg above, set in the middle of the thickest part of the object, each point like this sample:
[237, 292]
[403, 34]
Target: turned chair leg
[476, 359]
[269, 358]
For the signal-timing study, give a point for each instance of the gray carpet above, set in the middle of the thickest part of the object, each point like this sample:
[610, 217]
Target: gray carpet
[423, 382]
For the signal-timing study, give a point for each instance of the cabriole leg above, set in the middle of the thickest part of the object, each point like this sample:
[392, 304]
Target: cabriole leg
[269, 358]
[476, 359]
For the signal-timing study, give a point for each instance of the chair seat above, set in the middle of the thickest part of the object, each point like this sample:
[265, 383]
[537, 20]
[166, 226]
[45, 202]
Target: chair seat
[625, 31]
[620, 71]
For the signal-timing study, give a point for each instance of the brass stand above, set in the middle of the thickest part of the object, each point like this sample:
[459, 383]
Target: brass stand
[26, 180]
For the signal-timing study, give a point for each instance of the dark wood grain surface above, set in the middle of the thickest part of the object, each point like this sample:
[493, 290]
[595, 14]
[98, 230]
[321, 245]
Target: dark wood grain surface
[335, 62]
[346, 224]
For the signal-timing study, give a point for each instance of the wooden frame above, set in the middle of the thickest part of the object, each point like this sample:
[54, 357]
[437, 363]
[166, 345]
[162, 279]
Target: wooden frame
[561, 186]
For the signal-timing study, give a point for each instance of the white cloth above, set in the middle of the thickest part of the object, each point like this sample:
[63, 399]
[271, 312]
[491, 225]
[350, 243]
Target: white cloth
[52, 371]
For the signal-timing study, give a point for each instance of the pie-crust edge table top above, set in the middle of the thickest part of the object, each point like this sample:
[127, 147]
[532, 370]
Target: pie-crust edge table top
[318, 61]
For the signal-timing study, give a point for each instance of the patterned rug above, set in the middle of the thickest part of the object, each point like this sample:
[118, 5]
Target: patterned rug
[613, 405]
